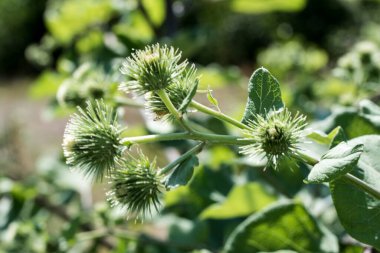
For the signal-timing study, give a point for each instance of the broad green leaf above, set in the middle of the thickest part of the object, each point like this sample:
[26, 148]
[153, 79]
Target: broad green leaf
[282, 226]
[359, 212]
[263, 6]
[189, 97]
[335, 163]
[338, 138]
[322, 138]
[241, 201]
[264, 95]
[182, 173]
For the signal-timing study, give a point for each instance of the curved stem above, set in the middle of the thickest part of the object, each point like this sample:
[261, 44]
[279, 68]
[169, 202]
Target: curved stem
[218, 115]
[168, 103]
[196, 149]
[348, 177]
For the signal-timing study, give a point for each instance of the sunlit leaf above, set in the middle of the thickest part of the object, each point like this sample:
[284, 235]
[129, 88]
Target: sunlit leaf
[264, 95]
[336, 162]
[281, 226]
[241, 201]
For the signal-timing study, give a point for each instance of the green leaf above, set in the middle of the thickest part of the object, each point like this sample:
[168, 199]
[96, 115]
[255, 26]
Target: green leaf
[264, 95]
[263, 6]
[189, 97]
[241, 201]
[322, 138]
[282, 226]
[335, 163]
[358, 211]
[370, 111]
[182, 173]
[338, 137]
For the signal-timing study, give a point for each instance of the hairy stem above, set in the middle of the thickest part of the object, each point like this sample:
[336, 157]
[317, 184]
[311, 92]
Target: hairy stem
[196, 149]
[218, 115]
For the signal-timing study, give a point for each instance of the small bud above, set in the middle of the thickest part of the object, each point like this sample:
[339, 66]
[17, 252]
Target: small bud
[92, 140]
[154, 68]
[136, 186]
[276, 137]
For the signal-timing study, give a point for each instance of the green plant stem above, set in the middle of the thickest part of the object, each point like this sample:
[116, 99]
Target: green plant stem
[348, 177]
[196, 149]
[218, 115]
[168, 103]
[198, 136]
[362, 185]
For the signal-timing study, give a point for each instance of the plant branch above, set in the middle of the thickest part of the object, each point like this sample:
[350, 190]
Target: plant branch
[218, 115]
[196, 149]
[169, 105]
[197, 136]
[348, 177]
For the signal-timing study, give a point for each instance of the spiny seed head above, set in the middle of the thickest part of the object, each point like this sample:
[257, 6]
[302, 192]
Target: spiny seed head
[92, 140]
[177, 93]
[276, 136]
[153, 68]
[136, 186]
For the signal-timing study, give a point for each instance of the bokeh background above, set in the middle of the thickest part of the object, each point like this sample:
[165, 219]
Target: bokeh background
[54, 54]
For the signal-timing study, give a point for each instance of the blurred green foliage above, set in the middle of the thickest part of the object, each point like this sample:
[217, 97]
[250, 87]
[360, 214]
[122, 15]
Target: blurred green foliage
[229, 199]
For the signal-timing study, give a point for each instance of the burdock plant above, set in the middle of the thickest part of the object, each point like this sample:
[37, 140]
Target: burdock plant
[137, 185]
[276, 136]
[93, 138]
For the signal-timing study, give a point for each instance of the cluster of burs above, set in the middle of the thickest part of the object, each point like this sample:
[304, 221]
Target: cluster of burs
[93, 137]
